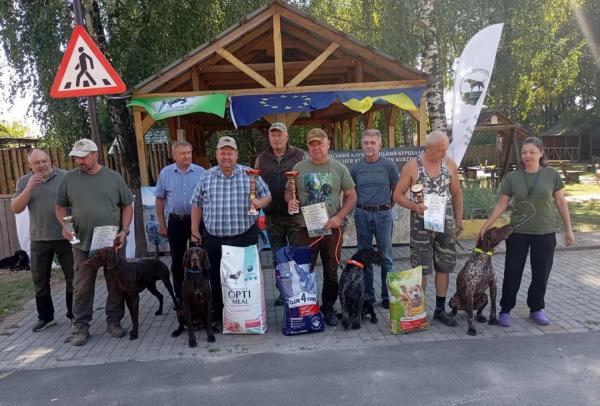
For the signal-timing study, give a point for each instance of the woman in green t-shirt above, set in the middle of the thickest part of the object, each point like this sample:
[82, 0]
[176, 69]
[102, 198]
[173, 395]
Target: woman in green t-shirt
[535, 188]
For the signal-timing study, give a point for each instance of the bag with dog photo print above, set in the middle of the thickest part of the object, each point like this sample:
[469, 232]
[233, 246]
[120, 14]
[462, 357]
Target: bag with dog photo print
[407, 302]
[298, 287]
[244, 310]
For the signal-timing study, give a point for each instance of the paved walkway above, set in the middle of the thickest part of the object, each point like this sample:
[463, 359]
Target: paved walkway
[572, 305]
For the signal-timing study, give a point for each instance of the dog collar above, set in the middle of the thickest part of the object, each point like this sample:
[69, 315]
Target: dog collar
[354, 262]
[192, 270]
[480, 251]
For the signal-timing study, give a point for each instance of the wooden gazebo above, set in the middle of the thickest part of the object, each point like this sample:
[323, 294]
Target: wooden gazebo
[278, 49]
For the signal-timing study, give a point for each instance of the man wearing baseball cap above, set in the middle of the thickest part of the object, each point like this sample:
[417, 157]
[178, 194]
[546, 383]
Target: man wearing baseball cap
[221, 201]
[95, 196]
[279, 158]
[322, 180]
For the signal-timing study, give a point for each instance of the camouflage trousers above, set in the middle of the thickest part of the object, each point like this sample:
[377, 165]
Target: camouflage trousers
[283, 230]
[431, 249]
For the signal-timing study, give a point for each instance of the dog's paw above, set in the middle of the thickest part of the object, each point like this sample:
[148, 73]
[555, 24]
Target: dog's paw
[493, 321]
[374, 319]
[192, 343]
[355, 326]
[211, 339]
[176, 333]
[345, 324]
[158, 312]
[481, 318]
[471, 331]
[133, 336]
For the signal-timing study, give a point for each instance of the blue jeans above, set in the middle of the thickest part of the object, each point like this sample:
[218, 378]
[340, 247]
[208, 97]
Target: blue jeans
[380, 225]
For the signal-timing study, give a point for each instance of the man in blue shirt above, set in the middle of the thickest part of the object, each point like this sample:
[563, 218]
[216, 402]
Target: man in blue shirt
[174, 189]
[221, 201]
[375, 177]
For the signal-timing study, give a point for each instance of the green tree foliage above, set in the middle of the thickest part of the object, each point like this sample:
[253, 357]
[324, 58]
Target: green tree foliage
[13, 129]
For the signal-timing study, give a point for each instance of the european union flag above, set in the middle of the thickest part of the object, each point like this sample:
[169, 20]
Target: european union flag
[245, 110]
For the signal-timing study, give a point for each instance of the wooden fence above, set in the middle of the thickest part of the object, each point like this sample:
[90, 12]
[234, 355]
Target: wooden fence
[13, 163]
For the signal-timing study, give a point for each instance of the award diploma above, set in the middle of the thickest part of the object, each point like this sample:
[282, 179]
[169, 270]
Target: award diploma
[315, 217]
[104, 236]
[435, 214]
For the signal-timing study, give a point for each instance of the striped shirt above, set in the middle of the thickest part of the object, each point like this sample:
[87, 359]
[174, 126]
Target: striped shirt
[177, 187]
[225, 200]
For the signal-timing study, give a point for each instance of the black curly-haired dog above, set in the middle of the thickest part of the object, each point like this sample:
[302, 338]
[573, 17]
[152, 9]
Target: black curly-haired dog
[476, 277]
[352, 288]
[17, 262]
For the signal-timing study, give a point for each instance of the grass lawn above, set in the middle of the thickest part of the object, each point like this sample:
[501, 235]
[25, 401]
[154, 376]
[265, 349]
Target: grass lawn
[585, 216]
[14, 293]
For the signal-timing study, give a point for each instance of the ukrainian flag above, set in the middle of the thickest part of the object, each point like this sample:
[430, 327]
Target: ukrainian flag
[362, 101]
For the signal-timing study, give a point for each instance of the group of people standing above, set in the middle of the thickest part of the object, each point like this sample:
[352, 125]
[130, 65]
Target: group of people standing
[211, 207]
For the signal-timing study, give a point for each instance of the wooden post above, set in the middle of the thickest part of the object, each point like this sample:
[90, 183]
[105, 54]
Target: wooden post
[278, 50]
[368, 117]
[139, 140]
[353, 127]
[336, 131]
[391, 116]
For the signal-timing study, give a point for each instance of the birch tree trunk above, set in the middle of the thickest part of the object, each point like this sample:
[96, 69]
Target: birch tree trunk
[431, 66]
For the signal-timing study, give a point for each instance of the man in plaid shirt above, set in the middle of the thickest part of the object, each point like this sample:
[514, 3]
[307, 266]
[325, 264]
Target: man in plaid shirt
[221, 201]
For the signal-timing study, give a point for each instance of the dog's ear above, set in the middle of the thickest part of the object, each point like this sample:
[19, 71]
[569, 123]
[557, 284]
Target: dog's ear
[206, 261]
[186, 259]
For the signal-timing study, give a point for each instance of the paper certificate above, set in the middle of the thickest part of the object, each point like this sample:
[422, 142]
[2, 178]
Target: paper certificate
[435, 214]
[315, 217]
[104, 236]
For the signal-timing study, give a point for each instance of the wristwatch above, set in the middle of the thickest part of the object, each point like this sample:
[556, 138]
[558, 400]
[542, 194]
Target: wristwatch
[125, 230]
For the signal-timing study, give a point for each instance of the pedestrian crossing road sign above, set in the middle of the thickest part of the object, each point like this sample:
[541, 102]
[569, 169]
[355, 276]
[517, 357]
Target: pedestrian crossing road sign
[84, 71]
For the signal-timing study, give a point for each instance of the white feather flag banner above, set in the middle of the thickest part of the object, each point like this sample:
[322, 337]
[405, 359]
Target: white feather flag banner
[471, 82]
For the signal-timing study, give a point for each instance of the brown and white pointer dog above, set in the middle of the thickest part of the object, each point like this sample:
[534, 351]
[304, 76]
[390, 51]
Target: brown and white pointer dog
[132, 278]
[476, 276]
[196, 309]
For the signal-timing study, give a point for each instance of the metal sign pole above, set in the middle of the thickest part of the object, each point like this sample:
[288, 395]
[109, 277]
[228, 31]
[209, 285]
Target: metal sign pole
[90, 99]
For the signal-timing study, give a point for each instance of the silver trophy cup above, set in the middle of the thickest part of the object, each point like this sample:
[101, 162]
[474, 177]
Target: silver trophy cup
[71, 228]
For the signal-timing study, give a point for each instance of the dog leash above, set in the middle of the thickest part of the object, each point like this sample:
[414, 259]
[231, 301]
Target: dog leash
[480, 251]
[337, 259]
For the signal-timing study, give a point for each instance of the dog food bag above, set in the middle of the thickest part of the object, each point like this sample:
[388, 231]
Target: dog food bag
[298, 287]
[407, 302]
[242, 284]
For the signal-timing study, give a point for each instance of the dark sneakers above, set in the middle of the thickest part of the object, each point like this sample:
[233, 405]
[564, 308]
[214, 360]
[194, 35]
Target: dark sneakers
[42, 325]
[279, 301]
[385, 303]
[81, 337]
[330, 318]
[444, 317]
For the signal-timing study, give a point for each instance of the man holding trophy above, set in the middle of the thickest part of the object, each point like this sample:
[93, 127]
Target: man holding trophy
[324, 192]
[37, 192]
[227, 199]
[95, 196]
[436, 215]
[276, 164]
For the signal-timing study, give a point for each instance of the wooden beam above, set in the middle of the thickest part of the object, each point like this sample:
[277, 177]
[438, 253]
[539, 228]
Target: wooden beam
[336, 131]
[195, 78]
[313, 65]
[287, 118]
[278, 50]
[287, 66]
[244, 68]
[175, 83]
[368, 117]
[391, 116]
[423, 120]
[141, 147]
[200, 54]
[353, 128]
[359, 71]
[350, 45]
[298, 89]
[147, 123]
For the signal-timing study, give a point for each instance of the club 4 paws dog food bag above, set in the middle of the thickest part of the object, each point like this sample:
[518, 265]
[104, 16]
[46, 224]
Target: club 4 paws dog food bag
[298, 287]
[407, 301]
[242, 284]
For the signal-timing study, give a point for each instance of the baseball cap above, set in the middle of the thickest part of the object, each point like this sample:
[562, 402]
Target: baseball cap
[83, 147]
[226, 142]
[315, 134]
[278, 126]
